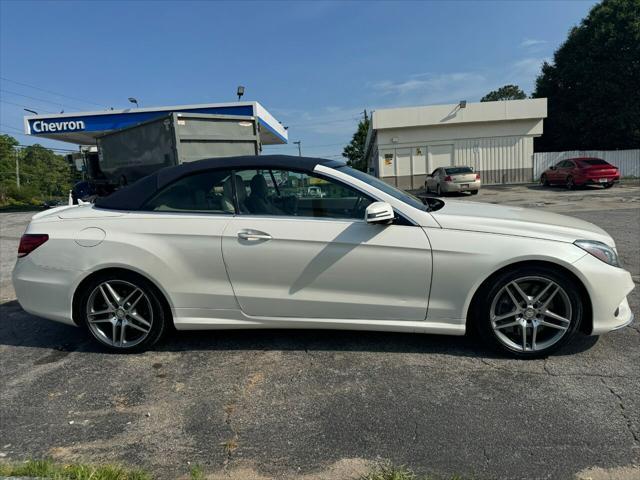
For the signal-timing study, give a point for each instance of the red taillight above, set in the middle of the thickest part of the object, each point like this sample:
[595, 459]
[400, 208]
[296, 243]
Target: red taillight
[477, 176]
[447, 178]
[29, 242]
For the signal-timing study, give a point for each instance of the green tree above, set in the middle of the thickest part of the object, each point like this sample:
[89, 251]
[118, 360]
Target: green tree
[43, 174]
[8, 151]
[593, 83]
[507, 92]
[49, 174]
[354, 152]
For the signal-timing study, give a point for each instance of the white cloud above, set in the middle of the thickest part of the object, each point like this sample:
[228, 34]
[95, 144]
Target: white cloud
[531, 42]
[429, 88]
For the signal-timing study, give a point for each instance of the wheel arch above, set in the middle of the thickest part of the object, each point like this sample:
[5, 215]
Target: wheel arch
[587, 321]
[75, 301]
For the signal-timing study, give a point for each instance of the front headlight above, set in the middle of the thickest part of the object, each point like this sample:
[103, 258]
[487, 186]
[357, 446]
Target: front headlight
[600, 250]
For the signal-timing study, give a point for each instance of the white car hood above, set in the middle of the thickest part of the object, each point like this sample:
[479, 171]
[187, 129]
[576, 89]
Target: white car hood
[523, 222]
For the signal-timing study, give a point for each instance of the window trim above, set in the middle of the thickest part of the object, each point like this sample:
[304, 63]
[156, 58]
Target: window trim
[323, 177]
[144, 207]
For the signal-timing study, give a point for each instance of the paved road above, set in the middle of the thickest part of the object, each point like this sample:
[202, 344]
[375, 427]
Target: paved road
[323, 404]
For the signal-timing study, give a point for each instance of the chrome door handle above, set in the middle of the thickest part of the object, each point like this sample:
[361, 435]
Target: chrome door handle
[253, 235]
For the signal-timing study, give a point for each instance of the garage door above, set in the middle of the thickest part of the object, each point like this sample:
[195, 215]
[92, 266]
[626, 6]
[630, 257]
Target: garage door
[440, 156]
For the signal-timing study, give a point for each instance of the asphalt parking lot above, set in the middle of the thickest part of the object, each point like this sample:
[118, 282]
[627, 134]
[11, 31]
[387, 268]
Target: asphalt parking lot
[321, 404]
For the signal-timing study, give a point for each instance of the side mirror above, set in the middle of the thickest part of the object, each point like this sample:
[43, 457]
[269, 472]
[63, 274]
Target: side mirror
[553, 167]
[379, 212]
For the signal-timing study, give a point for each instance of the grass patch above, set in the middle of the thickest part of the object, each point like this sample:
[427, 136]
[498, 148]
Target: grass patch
[50, 470]
[387, 471]
[197, 473]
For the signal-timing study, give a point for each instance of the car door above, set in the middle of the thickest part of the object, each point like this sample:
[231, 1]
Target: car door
[569, 170]
[315, 257]
[432, 179]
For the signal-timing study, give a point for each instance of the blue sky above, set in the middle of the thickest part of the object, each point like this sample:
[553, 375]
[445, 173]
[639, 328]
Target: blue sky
[314, 65]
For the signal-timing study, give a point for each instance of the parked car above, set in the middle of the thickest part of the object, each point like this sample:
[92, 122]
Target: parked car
[453, 179]
[315, 191]
[211, 245]
[577, 172]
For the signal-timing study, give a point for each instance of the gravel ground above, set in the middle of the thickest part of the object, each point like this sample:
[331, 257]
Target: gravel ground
[322, 404]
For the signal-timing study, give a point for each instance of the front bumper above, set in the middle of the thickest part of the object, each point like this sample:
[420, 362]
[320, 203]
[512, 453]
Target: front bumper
[45, 292]
[608, 288]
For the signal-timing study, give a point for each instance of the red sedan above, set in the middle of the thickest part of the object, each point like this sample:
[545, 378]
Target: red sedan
[577, 172]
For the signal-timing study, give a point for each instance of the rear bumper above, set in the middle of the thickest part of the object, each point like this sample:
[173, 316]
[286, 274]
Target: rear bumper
[45, 292]
[450, 187]
[596, 180]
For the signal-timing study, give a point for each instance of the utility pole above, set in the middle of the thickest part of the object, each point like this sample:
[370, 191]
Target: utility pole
[17, 168]
[299, 143]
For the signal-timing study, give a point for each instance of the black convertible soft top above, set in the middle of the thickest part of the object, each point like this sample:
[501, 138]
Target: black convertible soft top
[133, 196]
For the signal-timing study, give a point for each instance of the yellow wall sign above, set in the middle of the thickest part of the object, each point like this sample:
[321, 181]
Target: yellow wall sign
[388, 158]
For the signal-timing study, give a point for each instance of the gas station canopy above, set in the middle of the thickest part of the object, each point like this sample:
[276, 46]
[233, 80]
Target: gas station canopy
[83, 128]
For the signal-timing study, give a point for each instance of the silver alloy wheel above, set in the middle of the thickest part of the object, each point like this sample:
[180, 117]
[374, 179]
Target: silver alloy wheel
[530, 314]
[119, 314]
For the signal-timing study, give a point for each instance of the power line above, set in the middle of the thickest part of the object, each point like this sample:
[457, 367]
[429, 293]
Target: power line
[20, 105]
[52, 92]
[11, 128]
[39, 99]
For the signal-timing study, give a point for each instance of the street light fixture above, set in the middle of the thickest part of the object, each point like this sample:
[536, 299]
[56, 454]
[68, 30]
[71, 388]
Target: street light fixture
[30, 111]
[299, 143]
[133, 100]
[240, 92]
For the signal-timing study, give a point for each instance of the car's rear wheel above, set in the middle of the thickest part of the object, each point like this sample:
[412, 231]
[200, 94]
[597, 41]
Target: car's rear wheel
[608, 185]
[529, 312]
[544, 180]
[123, 312]
[474, 192]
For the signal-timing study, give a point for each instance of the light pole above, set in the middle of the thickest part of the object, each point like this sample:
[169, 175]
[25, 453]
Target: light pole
[134, 101]
[240, 92]
[30, 111]
[17, 169]
[299, 143]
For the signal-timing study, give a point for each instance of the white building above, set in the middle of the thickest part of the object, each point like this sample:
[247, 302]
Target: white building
[495, 138]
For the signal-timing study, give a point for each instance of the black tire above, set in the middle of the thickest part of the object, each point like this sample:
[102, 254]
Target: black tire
[474, 192]
[608, 185]
[426, 187]
[160, 318]
[569, 183]
[544, 181]
[482, 306]
[438, 190]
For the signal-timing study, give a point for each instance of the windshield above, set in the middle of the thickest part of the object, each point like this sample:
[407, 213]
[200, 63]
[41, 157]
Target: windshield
[456, 170]
[405, 197]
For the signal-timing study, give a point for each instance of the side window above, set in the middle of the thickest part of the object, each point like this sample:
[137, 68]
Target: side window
[570, 164]
[291, 193]
[206, 192]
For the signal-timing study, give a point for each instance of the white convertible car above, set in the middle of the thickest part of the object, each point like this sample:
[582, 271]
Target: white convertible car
[239, 242]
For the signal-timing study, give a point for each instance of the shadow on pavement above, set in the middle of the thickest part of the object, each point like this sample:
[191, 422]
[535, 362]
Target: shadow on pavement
[19, 329]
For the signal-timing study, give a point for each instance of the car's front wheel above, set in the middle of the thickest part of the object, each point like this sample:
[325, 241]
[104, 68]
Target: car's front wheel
[529, 312]
[544, 180]
[122, 311]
